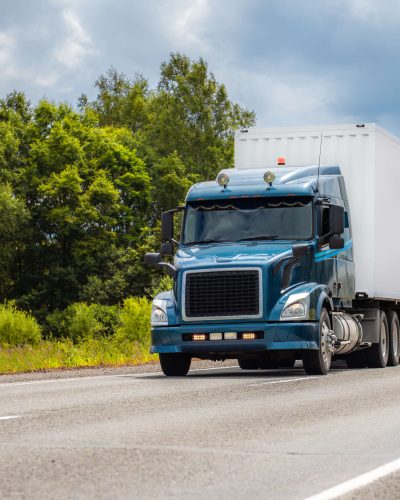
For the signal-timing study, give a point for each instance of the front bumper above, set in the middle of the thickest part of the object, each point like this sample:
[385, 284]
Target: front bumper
[277, 336]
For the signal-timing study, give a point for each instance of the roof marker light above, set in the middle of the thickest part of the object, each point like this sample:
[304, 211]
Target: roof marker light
[269, 177]
[281, 161]
[223, 180]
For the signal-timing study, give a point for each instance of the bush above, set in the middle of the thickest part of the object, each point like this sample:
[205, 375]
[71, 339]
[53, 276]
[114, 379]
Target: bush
[160, 283]
[76, 322]
[135, 321]
[82, 321]
[108, 316]
[17, 327]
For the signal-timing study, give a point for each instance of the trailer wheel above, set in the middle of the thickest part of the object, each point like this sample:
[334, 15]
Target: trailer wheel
[248, 364]
[175, 365]
[378, 354]
[318, 362]
[394, 338]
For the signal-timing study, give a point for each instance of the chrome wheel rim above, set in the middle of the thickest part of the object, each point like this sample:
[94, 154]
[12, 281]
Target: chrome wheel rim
[384, 349]
[325, 351]
[395, 340]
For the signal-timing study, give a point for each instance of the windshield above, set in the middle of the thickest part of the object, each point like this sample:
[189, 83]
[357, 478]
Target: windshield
[246, 219]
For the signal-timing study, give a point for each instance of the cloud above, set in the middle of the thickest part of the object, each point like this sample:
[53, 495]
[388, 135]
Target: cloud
[291, 62]
[186, 22]
[46, 80]
[7, 45]
[77, 45]
[374, 11]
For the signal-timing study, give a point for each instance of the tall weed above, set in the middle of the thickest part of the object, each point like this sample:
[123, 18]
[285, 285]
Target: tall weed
[135, 321]
[17, 327]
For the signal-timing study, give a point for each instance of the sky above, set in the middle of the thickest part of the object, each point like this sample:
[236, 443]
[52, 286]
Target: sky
[293, 62]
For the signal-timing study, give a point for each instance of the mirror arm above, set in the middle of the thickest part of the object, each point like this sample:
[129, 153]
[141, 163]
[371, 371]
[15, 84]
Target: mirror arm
[169, 268]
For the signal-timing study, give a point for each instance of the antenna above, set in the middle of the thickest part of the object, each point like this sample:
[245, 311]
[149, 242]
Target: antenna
[319, 161]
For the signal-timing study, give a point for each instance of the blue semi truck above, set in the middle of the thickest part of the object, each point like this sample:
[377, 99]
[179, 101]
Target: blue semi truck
[265, 270]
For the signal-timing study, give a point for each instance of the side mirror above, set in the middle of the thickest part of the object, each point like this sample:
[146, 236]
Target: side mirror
[300, 250]
[152, 259]
[336, 242]
[167, 225]
[336, 219]
[167, 248]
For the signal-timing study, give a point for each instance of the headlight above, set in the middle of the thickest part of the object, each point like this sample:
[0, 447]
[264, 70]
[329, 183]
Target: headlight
[159, 315]
[296, 307]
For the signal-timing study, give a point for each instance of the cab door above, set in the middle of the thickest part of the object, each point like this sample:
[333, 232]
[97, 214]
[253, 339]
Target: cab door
[345, 284]
[335, 265]
[325, 259]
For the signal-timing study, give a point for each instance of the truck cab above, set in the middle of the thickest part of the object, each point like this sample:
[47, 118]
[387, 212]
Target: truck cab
[279, 263]
[264, 256]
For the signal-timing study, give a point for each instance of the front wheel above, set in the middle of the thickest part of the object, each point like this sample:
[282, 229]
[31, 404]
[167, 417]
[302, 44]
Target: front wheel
[175, 365]
[318, 362]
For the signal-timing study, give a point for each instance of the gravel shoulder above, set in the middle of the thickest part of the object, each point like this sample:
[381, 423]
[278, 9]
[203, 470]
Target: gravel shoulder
[103, 370]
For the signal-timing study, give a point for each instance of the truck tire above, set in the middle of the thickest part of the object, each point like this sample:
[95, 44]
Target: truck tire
[318, 362]
[175, 365]
[378, 354]
[248, 364]
[394, 338]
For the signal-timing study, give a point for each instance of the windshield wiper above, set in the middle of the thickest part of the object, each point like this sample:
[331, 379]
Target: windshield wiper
[205, 241]
[261, 237]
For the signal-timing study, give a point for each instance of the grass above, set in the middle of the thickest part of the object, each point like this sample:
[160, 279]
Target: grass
[106, 351]
[80, 336]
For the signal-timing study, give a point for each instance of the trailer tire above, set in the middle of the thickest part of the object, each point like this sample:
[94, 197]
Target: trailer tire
[378, 354]
[318, 362]
[248, 364]
[394, 338]
[175, 364]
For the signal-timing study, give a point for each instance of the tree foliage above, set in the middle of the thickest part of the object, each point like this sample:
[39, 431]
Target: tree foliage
[81, 191]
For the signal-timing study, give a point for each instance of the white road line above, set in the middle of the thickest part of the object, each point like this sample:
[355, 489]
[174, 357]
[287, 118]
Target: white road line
[134, 375]
[358, 482]
[96, 377]
[281, 381]
[10, 417]
[50, 380]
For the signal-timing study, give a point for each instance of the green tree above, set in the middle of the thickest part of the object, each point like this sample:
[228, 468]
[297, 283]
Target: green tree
[13, 237]
[89, 197]
[191, 114]
[81, 192]
[170, 183]
[120, 101]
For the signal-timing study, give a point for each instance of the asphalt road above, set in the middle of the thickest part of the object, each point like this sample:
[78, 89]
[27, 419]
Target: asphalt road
[222, 433]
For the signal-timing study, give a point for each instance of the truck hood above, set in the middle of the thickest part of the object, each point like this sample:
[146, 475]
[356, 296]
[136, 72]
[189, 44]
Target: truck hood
[218, 254]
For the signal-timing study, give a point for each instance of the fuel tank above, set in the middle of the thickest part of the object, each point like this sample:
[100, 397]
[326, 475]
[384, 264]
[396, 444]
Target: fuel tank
[348, 332]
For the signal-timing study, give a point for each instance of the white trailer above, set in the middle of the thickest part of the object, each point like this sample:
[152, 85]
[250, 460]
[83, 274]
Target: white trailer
[369, 158]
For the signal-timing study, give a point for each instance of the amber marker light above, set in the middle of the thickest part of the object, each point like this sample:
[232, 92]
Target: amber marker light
[248, 336]
[199, 336]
